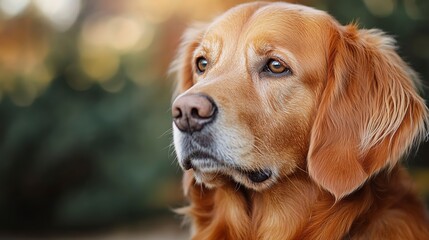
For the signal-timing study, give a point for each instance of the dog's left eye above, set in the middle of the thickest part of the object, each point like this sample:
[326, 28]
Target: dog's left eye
[201, 64]
[276, 67]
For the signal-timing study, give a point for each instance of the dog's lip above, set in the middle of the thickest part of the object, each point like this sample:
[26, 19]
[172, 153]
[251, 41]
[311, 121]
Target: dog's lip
[197, 156]
[256, 176]
[259, 175]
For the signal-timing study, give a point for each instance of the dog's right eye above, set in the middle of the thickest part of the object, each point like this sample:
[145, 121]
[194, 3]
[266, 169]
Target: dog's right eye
[201, 64]
[277, 68]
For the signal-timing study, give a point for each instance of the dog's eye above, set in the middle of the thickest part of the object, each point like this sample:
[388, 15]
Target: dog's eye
[201, 64]
[276, 67]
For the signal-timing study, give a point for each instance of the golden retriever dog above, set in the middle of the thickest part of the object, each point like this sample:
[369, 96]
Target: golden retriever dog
[291, 126]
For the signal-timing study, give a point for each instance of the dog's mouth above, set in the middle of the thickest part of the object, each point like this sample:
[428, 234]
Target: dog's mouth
[259, 176]
[206, 162]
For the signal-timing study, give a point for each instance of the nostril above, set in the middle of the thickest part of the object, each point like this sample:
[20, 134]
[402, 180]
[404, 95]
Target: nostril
[195, 113]
[177, 112]
[204, 110]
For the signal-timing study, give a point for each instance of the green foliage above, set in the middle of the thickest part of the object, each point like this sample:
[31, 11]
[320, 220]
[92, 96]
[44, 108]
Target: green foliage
[85, 158]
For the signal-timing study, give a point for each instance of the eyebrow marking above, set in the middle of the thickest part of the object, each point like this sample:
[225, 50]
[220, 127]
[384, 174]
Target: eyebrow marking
[264, 48]
[211, 47]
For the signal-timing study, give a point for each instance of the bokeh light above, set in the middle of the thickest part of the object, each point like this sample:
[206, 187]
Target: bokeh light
[381, 8]
[157, 11]
[412, 9]
[121, 33]
[61, 13]
[99, 64]
[13, 7]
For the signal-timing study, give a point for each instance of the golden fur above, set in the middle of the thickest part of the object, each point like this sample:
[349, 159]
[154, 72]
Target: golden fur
[332, 132]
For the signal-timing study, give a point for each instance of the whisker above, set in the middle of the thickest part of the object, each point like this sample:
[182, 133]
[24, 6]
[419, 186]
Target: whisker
[292, 183]
[301, 169]
[237, 187]
[168, 131]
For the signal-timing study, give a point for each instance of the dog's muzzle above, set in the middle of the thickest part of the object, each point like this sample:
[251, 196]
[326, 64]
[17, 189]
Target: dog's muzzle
[191, 112]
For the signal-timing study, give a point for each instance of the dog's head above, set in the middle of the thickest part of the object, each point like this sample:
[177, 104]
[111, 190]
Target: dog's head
[269, 89]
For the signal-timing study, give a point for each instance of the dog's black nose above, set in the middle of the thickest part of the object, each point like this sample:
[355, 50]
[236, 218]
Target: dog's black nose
[192, 112]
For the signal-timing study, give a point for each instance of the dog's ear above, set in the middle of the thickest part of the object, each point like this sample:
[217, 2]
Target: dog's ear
[182, 66]
[370, 113]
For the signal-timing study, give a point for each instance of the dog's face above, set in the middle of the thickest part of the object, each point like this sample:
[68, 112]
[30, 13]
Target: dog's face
[251, 86]
[263, 87]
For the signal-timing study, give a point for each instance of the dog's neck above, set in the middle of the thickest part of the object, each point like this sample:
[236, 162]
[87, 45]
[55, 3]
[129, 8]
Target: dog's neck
[289, 202]
[241, 213]
[293, 208]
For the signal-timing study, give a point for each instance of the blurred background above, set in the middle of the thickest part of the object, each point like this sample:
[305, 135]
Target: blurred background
[85, 127]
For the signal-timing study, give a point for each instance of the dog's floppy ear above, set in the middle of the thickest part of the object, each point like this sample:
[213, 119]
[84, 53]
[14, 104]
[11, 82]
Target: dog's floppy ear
[370, 113]
[181, 67]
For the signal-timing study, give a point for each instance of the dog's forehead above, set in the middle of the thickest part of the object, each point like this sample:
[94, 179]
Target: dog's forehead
[268, 21]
